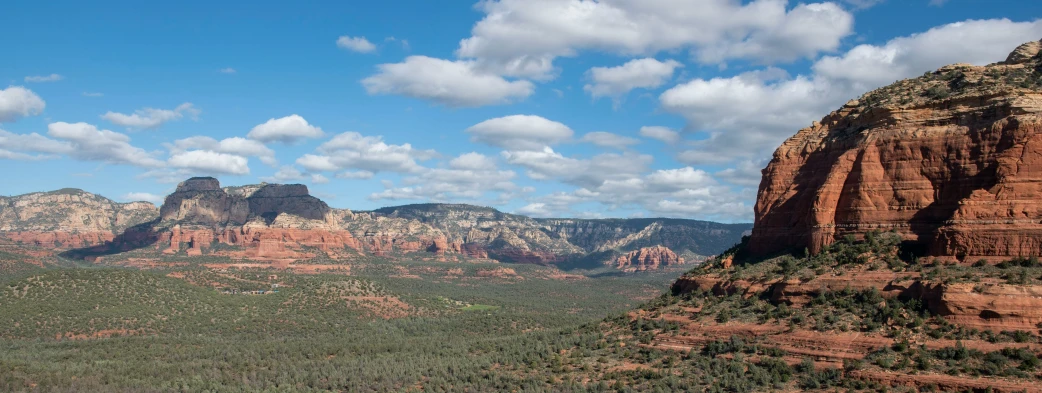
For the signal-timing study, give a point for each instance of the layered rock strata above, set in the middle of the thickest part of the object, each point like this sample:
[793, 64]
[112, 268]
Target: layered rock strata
[951, 160]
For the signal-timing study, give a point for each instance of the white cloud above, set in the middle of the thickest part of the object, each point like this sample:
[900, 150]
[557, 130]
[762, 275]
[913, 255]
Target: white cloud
[227, 70]
[864, 4]
[804, 31]
[593, 172]
[472, 161]
[34, 143]
[317, 178]
[92, 94]
[523, 37]
[17, 102]
[151, 118]
[520, 132]
[469, 176]
[744, 173]
[288, 130]
[659, 133]
[285, 174]
[635, 74]
[210, 162]
[607, 139]
[537, 209]
[16, 156]
[92, 144]
[357, 44]
[679, 179]
[144, 196]
[44, 78]
[355, 175]
[351, 150]
[450, 83]
[236, 146]
[747, 116]
[678, 192]
[976, 42]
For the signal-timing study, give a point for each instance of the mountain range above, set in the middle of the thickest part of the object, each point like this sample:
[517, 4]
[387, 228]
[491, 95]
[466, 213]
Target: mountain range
[277, 221]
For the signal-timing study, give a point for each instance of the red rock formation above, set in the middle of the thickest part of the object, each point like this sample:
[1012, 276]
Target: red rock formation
[952, 161]
[647, 258]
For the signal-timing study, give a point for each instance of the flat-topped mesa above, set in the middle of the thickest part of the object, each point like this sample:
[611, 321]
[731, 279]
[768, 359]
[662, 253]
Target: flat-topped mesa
[951, 160]
[200, 201]
[199, 184]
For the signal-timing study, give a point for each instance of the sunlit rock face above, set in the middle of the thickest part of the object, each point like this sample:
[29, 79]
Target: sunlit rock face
[951, 160]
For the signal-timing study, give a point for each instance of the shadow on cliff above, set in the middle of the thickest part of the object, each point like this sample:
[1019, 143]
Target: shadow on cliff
[790, 226]
[133, 238]
[271, 200]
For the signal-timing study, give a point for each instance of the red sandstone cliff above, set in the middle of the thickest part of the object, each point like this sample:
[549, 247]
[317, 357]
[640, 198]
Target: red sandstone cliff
[951, 160]
[647, 258]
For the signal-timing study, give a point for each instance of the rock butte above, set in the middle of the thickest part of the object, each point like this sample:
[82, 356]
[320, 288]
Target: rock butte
[951, 160]
[284, 222]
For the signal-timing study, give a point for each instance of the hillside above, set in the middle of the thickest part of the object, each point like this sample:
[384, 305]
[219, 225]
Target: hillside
[269, 222]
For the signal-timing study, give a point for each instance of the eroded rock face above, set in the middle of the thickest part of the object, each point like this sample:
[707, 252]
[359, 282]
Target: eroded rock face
[952, 161]
[648, 258]
[68, 218]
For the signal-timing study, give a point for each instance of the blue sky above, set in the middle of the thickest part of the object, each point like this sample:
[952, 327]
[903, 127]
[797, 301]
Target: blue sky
[382, 103]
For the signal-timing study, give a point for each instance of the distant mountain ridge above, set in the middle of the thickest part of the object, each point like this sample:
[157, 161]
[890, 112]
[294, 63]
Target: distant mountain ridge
[270, 221]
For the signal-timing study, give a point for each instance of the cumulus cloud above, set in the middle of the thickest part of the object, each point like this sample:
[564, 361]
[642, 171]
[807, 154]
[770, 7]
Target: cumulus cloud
[355, 175]
[44, 78]
[747, 116]
[17, 102]
[88, 143]
[450, 83]
[356, 44]
[236, 146]
[635, 74]
[469, 176]
[607, 139]
[976, 42]
[14, 146]
[143, 196]
[151, 118]
[351, 150]
[522, 38]
[288, 130]
[677, 192]
[548, 164]
[520, 132]
[745, 173]
[659, 133]
[210, 162]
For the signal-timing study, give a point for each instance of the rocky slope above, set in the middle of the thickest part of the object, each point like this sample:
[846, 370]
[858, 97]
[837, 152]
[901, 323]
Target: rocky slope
[283, 222]
[68, 218]
[951, 160]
